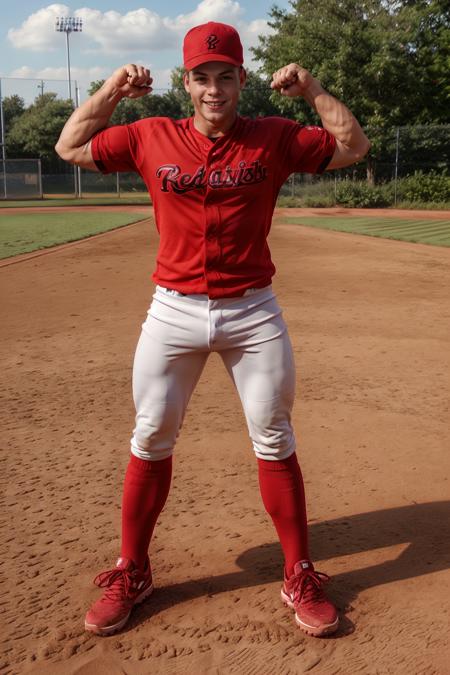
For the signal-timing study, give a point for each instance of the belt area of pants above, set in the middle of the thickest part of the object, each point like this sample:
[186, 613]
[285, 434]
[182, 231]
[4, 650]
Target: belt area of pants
[171, 291]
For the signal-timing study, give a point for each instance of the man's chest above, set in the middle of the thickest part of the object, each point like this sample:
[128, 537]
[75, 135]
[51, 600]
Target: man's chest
[180, 168]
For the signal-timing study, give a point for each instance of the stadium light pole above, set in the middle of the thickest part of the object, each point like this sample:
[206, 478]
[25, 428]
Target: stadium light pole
[68, 25]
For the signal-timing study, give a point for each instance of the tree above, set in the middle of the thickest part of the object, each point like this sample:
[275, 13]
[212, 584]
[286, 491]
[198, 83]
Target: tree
[431, 46]
[255, 100]
[13, 106]
[180, 93]
[161, 105]
[34, 133]
[375, 55]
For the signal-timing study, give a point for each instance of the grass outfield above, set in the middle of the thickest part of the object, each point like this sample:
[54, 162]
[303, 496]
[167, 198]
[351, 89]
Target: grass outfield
[95, 200]
[27, 232]
[435, 232]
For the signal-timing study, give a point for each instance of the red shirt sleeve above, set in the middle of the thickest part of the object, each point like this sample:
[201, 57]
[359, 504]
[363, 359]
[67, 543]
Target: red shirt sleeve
[309, 149]
[112, 150]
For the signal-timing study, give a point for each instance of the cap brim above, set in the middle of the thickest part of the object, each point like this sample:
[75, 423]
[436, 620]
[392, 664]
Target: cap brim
[208, 58]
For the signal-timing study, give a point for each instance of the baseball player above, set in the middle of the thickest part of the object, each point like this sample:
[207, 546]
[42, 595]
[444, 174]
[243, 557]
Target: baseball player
[213, 180]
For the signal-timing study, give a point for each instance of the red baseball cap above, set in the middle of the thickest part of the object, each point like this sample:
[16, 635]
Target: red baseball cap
[212, 42]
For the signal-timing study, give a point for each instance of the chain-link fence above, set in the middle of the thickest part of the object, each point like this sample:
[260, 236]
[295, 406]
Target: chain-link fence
[395, 154]
[29, 89]
[20, 179]
[401, 152]
[92, 183]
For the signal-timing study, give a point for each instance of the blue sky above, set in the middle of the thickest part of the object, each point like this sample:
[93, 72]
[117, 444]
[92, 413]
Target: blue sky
[114, 33]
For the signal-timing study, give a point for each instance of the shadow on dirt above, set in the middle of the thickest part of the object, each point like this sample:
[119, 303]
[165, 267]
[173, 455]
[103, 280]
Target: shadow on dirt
[423, 528]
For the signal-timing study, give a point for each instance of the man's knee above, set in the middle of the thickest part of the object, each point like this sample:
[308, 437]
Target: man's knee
[156, 432]
[269, 425]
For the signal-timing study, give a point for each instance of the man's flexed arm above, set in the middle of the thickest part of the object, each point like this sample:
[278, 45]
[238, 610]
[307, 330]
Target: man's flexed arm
[351, 142]
[74, 143]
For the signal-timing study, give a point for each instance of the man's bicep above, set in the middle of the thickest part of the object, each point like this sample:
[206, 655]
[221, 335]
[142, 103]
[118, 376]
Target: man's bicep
[343, 156]
[84, 157]
[81, 156]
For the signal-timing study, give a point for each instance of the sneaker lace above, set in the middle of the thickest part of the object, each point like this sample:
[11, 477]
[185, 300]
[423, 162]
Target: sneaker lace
[308, 586]
[117, 583]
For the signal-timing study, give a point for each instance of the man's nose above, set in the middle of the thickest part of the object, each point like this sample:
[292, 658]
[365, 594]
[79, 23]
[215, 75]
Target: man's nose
[213, 87]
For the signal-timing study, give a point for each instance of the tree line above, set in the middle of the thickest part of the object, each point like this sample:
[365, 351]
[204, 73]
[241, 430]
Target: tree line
[388, 60]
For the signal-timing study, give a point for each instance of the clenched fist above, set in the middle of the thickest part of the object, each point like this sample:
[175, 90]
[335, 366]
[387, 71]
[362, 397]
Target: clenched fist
[292, 80]
[132, 81]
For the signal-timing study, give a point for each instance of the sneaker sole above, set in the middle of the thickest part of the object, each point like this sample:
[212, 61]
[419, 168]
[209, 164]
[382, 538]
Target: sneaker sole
[110, 630]
[315, 631]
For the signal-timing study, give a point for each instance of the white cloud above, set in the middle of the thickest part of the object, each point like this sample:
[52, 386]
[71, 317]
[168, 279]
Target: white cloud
[161, 79]
[49, 73]
[38, 31]
[135, 31]
[227, 11]
[139, 30]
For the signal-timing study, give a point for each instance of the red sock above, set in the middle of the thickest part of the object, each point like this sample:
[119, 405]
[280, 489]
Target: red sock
[283, 495]
[145, 492]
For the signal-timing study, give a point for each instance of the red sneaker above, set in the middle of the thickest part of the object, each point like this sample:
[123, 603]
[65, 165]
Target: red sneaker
[303, 591]
[125, 586]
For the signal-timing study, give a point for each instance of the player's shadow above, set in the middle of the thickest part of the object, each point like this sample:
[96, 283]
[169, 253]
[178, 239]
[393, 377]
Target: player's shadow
[416, 539]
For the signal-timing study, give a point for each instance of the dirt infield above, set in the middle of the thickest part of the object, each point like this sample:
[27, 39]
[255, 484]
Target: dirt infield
[370, 324]
[336, 211]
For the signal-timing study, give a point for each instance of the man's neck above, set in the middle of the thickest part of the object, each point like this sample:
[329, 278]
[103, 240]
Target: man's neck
[211, 130]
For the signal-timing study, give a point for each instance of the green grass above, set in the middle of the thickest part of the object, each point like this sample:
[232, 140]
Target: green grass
[435, 232]
[27, 232]
[99, 200]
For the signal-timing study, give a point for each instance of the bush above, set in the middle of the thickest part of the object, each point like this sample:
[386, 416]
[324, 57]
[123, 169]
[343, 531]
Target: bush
[361, 194]
[420, 190]
[420, 187]
[319, 201]
[284, 201]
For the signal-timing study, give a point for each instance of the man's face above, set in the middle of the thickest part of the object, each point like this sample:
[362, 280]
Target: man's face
[214, 88]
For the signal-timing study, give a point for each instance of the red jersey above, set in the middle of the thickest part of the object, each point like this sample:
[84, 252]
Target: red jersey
[213, 199]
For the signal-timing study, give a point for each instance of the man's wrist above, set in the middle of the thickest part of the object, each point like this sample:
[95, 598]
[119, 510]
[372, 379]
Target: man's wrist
[112, 93]
[313, 90]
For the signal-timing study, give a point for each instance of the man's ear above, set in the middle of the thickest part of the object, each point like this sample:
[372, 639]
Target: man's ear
[242, 76]
[186, 80]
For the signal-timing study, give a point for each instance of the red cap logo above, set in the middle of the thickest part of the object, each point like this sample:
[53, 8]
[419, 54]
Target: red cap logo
[212, 42]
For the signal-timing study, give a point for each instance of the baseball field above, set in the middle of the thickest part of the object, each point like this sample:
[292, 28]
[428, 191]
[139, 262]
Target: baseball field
[369, 318]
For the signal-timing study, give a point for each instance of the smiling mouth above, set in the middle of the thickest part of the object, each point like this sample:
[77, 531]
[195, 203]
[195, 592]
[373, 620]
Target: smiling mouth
[214, 105]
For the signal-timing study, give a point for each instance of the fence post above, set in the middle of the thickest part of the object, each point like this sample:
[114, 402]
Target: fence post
[40, 178]
[77, 168]
[117, 184]
[396, 166]
[293, 185]
[2, 140]
[75, 182]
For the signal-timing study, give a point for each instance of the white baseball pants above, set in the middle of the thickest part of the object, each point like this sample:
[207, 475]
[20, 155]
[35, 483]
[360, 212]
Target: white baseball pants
[250, 335]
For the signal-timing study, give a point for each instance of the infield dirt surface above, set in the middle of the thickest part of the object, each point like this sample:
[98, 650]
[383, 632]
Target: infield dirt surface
[370, 324]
